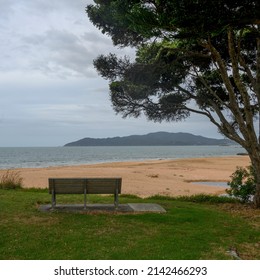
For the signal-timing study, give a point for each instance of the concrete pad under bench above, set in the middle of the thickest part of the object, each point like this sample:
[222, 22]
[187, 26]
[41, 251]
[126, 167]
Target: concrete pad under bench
[123, 208]
[147, 207]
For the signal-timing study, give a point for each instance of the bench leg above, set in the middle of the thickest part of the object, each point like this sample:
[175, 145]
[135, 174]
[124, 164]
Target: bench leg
[116, 199]
[85, 198]
[53, 199]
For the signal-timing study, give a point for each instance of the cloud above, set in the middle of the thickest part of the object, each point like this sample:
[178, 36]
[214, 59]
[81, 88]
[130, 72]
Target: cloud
[60, 52]
[6, 9]
[48, 83]
[39, 36]
[52, 37]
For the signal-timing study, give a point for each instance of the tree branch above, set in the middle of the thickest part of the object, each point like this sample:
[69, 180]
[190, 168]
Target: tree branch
[249, 116]
[234, 108]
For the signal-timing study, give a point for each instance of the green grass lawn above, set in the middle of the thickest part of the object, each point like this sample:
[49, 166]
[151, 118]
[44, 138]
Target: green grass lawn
[189, 230]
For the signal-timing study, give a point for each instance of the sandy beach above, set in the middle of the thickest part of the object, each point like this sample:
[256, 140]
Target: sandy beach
[147, 178]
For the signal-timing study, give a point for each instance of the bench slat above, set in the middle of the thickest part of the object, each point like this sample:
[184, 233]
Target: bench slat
[67, 185]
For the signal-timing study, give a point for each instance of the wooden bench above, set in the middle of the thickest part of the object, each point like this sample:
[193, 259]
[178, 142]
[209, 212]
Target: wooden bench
[85, 186]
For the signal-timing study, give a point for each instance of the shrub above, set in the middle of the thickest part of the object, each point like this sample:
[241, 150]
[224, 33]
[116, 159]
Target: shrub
[243, 183]
[11, 179]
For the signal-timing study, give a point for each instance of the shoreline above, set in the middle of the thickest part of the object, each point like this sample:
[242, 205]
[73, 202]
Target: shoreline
[145, 178]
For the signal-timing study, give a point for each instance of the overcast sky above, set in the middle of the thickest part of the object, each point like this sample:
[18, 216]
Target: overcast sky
[50, 92]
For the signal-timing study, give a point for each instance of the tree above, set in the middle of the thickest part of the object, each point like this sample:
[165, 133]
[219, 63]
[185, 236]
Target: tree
[192, 56]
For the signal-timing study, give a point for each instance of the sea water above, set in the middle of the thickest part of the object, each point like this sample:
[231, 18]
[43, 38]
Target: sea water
[62, 156]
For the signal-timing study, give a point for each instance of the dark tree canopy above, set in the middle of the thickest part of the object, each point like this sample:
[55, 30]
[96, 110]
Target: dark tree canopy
[192, 56]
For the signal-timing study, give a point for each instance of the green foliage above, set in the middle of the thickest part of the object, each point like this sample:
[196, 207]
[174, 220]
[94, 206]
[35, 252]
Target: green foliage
[243, 183]
[174, 64]
[11, 179]
[133, 22]
[203, 198]
[198, 198]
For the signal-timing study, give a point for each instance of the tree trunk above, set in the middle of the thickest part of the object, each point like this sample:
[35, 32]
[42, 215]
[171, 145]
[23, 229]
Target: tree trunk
[257, 195]
[255, 160]
[257, 191]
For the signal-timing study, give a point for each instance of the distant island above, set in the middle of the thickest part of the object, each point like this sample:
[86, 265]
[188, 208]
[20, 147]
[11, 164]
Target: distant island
[152, 139]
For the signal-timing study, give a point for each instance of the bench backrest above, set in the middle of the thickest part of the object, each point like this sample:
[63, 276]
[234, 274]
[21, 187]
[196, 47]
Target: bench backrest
[103, 185]
[80, 185]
